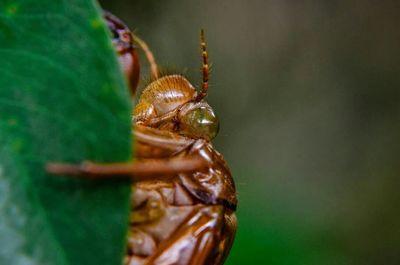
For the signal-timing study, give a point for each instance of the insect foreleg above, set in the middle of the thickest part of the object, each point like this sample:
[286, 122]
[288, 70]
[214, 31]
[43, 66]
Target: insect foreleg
[136, 170]
[149, 56]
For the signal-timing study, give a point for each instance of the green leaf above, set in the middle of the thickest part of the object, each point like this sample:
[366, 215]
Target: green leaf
[62, 98]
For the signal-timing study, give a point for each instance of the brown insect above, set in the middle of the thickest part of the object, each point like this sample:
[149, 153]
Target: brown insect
[127, 54]
[184, 199]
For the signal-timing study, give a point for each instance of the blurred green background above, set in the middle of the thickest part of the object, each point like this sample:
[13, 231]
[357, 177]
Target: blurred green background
[308, 96]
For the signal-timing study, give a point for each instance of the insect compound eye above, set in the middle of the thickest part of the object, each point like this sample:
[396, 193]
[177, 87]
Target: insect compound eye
[200, 122]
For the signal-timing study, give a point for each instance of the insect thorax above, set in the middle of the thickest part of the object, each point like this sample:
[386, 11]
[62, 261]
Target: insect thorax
[164, 95]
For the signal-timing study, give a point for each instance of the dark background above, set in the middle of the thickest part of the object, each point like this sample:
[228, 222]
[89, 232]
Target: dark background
[308, 95]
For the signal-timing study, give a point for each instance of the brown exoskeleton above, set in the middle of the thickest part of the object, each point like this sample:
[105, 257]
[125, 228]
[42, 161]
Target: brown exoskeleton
[184, 199]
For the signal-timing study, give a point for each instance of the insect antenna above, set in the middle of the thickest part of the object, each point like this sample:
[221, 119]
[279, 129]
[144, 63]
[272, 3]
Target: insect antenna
[205, 68]
[149, 56]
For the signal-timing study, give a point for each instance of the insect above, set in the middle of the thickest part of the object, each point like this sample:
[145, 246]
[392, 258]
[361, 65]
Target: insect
[127, 54]
[184, 200]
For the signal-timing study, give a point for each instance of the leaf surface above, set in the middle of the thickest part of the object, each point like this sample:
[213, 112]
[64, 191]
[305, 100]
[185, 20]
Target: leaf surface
[62, 98]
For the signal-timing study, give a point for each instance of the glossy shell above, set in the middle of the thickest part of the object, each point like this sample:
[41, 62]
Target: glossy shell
[185, 218]
[163, 95]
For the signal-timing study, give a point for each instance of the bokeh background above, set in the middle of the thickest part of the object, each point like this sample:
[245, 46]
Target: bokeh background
[308, 94]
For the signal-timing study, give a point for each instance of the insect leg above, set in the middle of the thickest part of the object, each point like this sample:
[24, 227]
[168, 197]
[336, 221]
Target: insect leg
[152, 142]
[155, 151]
[149, 56]
[136, 170]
